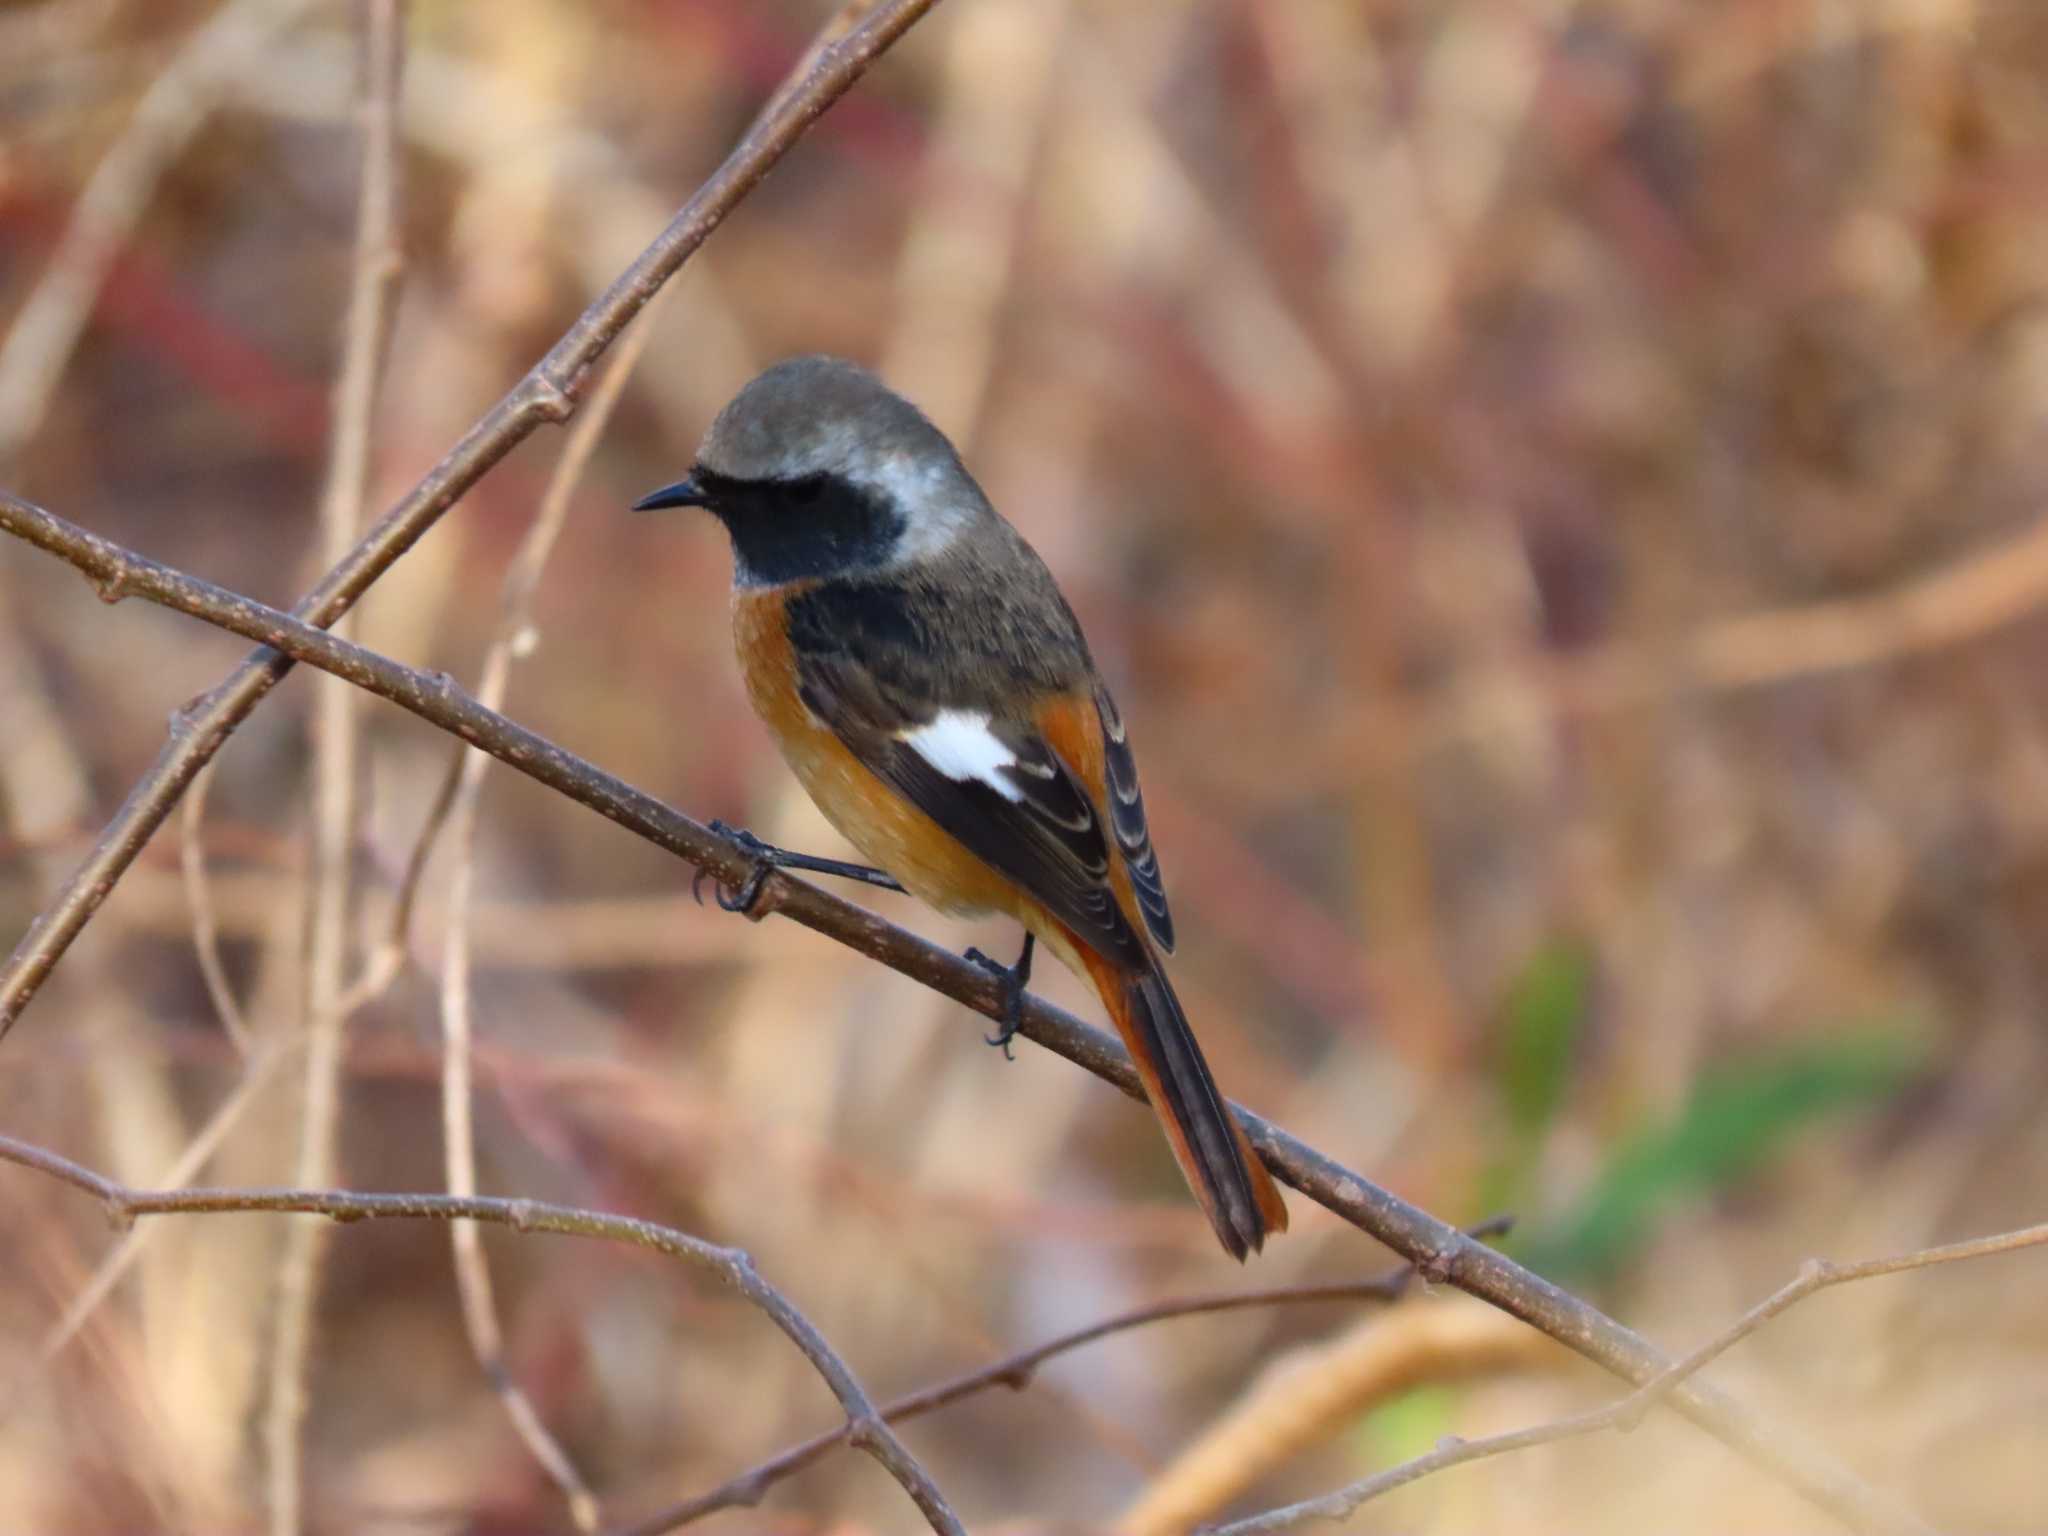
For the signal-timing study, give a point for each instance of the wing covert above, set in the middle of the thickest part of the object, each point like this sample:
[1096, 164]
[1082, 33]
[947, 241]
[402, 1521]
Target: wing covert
[1028, 817]
[919, 698]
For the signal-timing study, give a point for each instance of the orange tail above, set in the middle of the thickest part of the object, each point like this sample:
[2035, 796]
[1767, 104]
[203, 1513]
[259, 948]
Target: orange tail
[1242, 1202]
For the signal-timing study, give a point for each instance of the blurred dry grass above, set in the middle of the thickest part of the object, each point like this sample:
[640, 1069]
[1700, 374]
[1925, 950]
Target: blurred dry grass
[1485, 442]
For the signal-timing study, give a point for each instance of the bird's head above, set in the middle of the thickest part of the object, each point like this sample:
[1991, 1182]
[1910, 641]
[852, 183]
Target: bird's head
[817, 469]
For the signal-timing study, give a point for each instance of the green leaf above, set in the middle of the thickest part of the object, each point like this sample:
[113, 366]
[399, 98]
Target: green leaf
[1406, 1426]
[1536, 1047]
[1540, 1027]
[1738, 1118]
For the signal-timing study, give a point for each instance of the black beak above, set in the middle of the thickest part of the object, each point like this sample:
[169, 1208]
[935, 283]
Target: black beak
[684, 493]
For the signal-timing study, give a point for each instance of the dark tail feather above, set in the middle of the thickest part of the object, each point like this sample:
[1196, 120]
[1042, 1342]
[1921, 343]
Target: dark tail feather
[1225, 1173]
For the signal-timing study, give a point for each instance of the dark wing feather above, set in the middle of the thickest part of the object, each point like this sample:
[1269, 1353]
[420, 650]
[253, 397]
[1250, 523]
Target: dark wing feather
[1127, 818]
[1049, 840]
[867, 668]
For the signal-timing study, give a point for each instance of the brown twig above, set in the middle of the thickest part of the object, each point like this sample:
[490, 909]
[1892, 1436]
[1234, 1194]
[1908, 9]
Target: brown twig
[455, 809]
[545, 394]
[373, 287]
[263, 1062]
[1819, 1275]
[1016, 1372]
[865, 1427]
[1626, 1412]
[1443, 1253]
[388, 953]
[261, 1059]
[515, 619]
[205, 921]
[1319, 1392]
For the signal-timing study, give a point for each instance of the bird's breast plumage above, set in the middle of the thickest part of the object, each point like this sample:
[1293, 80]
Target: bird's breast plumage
[882, 824]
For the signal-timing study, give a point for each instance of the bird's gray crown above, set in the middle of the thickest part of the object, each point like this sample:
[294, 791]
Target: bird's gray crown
[817, 415]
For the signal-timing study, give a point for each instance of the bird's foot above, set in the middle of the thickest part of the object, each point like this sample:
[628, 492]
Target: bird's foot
[1012, 979]
[744, 896]
[767, 857]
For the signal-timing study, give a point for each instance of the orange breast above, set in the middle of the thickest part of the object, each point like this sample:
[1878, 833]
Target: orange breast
[887, 829]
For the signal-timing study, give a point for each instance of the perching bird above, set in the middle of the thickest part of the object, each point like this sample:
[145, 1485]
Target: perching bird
[929, 685]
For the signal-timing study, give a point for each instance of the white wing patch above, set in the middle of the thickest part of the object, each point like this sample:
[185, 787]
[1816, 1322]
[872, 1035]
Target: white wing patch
[961, 746]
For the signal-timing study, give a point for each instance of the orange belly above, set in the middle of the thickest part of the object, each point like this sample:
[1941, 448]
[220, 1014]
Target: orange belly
[888, 830]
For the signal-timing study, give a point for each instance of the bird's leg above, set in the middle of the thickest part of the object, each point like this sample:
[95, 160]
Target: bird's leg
[1013, 979]
[767, 857]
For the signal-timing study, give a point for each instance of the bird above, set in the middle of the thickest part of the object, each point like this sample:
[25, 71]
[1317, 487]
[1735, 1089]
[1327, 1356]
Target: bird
[929, 685]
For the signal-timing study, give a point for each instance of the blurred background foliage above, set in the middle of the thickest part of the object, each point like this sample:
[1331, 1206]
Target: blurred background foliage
[1558, 487]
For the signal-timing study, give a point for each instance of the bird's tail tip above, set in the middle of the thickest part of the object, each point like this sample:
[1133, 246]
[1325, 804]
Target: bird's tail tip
[1235, 1190]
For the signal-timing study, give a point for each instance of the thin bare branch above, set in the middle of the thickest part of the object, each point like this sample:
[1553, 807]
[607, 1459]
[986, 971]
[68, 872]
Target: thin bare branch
[261, 1060]
[262, 1064]
[1819, 1275]
[205, 922]
[866, 1428]
[373, 287]
[1451, 1452]
[388, 954]
[512, 639]
[1018, 1370]
[1627, 1412]
[1443, 1254]
[1318, 1393]
[545, 394]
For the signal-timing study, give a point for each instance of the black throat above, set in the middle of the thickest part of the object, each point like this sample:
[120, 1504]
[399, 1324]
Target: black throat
[809, 526]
